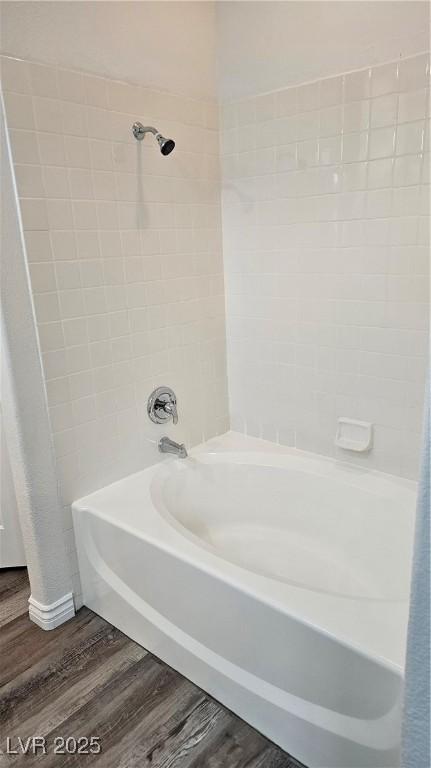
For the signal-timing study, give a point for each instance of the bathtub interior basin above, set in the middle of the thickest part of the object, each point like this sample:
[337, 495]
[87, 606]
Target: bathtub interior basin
[327, 532]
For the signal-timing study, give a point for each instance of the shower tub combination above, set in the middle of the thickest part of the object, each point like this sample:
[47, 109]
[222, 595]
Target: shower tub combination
[276, 580]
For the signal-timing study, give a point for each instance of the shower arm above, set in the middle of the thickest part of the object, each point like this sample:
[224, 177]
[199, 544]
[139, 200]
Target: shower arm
[140, 130]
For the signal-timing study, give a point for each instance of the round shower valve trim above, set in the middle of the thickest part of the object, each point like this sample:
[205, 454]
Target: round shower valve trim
[162, 406]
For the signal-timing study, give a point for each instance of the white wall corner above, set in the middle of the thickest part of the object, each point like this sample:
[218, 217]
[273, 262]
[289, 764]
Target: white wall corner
[51, 616]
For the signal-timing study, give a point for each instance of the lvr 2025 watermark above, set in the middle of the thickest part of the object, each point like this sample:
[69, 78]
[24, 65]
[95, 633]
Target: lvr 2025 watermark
[59, 745]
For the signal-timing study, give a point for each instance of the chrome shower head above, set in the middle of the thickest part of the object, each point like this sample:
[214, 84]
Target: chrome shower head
[166, 145]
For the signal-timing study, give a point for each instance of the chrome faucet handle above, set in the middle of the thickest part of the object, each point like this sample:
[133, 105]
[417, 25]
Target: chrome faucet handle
[172, 409]
[162, 406]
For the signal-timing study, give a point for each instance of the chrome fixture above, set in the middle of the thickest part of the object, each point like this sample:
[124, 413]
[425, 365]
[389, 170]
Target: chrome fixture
[162, 405]
[139, 131]
[166, 445]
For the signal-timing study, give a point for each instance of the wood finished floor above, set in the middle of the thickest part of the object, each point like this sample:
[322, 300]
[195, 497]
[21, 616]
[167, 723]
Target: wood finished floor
[86, 678]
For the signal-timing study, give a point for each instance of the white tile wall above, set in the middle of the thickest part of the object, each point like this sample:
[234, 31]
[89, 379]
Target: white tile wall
[325, 238]
[124, 249]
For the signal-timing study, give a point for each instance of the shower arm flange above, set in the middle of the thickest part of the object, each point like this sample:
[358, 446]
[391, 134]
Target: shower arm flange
[140, 130]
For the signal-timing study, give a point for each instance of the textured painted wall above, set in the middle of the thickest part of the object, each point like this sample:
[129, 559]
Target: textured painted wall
[24, 408]
[264, 46]
[167, 45]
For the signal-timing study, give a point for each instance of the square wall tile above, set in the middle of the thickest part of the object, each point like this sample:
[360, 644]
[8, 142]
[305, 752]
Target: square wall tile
[382, 142]
[357, 85]
[384, 79]
[413, 73]
[43, 80]
[19, 111]
[34, 213]
[15, 75]
[384, 110]
[412, 106]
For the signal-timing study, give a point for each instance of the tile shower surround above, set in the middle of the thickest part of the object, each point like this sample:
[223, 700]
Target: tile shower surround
[325, 235]
[124, 251]
[325, 192]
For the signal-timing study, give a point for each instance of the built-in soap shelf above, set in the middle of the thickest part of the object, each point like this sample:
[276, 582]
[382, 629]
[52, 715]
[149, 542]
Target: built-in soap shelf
[354, 435]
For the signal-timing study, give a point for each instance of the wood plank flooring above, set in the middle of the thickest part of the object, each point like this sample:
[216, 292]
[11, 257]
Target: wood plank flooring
[86, 678]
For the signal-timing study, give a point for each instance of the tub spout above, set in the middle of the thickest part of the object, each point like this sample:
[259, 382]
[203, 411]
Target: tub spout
[166, 445]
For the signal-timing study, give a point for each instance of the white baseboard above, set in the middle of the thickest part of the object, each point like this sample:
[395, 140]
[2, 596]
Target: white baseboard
[51, 616]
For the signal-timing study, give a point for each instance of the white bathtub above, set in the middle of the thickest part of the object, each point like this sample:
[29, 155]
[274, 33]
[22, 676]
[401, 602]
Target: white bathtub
[276, 580]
